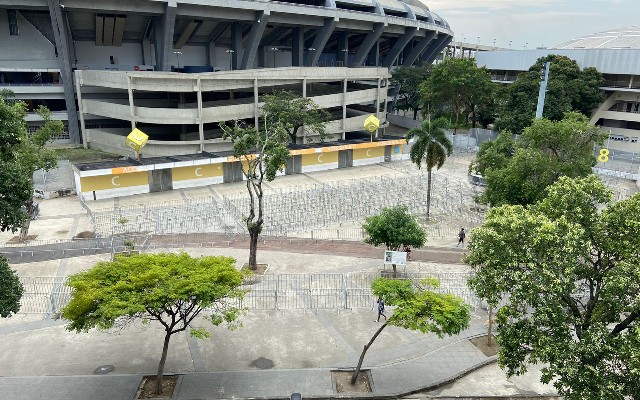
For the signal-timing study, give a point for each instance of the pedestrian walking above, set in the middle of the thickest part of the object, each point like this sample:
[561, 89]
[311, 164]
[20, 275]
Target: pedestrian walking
[461, 236]
[381, 309]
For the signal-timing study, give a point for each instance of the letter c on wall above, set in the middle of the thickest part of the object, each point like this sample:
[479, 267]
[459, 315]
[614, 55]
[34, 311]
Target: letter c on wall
[113, 181]
[198, 171]
[320, 158]
[368, 155]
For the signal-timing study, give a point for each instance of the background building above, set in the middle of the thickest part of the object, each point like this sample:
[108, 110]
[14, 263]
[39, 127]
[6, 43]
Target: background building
[105, 67]
[616, 54]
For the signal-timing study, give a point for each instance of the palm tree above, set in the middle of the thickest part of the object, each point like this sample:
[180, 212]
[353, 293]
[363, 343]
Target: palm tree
[432, 146]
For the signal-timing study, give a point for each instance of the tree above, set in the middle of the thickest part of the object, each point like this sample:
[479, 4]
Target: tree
[394, 228]
[519, 172]
[418, 308]
[262, 153]
[170, 288]
[569, 89]
[568, 272]
[21, 154]
[460, 84]
[432, 146]
[11, 290]
[295, 112]
[409, 79]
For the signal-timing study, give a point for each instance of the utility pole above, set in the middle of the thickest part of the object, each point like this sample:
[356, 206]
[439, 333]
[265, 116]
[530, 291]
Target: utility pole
[544, 75]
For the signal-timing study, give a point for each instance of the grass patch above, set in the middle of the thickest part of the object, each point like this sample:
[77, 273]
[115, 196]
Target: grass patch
[80, 154]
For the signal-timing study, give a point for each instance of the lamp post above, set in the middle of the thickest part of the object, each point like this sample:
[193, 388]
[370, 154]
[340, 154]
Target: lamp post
[230, 52]
[178, 53]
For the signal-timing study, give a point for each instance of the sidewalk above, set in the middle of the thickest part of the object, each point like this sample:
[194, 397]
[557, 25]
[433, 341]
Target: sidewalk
[426, 370]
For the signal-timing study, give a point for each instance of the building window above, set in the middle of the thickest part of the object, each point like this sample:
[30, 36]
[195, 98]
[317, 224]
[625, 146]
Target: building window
[12, 15]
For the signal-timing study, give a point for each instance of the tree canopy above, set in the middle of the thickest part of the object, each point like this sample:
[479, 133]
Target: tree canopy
[519, 172]
[459, 84]
[418, 307]
[262, 153]
[569, 89]
[568, 274]
[294, 112]
[21, 154]
[394, 228]
[11, 290]
[410, 79]
[170, 288]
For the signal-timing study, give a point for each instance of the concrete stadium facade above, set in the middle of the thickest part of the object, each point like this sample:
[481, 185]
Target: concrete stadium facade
[175, 69]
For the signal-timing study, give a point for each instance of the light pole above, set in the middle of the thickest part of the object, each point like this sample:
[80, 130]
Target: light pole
[544, 76]
[494, 43]
[510, 41]
[230, 52]
[178, 53]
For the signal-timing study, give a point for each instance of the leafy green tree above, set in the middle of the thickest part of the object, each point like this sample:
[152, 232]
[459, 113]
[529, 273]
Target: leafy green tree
[170, 288]
[294, 112]
[459, 84]
[409, 79]
[21, 154]
[418, 308]
[394, 228]
[11, 290]
[432, 146]
[262, 153]
[569, 89]
[519, 172]
[568, 272]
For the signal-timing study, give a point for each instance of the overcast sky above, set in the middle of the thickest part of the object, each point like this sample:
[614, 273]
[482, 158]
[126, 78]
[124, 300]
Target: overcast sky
[536, 22]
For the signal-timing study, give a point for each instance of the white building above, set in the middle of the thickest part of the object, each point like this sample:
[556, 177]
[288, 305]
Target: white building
[616, 54]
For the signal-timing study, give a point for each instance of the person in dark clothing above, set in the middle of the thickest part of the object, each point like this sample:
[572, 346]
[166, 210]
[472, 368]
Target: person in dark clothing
[461, 236]
[381, 309]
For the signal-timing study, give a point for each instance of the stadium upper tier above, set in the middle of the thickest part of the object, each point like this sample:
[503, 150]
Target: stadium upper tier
[623, 38]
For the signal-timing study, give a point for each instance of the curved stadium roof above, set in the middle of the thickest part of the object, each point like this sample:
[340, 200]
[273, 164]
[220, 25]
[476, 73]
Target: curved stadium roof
[623, 38]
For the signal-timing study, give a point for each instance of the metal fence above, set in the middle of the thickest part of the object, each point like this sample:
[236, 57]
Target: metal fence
[47, 295]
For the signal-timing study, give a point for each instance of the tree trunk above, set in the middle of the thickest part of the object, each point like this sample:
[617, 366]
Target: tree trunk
[364, 351]
[165, 347]
[254, 232]
[415, 114]
[428, 192]
[489, 343]
[29, 209]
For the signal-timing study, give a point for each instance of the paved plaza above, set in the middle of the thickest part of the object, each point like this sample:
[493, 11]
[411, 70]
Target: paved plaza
[310, 314]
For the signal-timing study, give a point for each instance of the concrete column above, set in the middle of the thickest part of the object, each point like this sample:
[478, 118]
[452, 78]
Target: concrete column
[83, 129]
[165, 27]
[343, 48]
[207, 54]
[66, 71]
[297, 48]
[631, 82]
[236, 44]
[373, 59]
[256, 109]
[435, 47]
[344, 109]
[369, 42]
[304, 88]
[378, 103]
[132, 108]
[200, 119]
[323, 35]
[255, 35]
[418, 49]
[399, 46]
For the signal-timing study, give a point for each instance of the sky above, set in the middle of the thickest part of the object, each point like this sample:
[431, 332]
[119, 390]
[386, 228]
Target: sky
[533, 23]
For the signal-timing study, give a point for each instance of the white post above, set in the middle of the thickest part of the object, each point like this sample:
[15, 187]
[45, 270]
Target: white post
[80, 110]
[200, 122]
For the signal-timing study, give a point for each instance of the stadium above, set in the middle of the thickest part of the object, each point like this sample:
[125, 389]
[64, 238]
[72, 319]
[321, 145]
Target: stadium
[176, 69]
